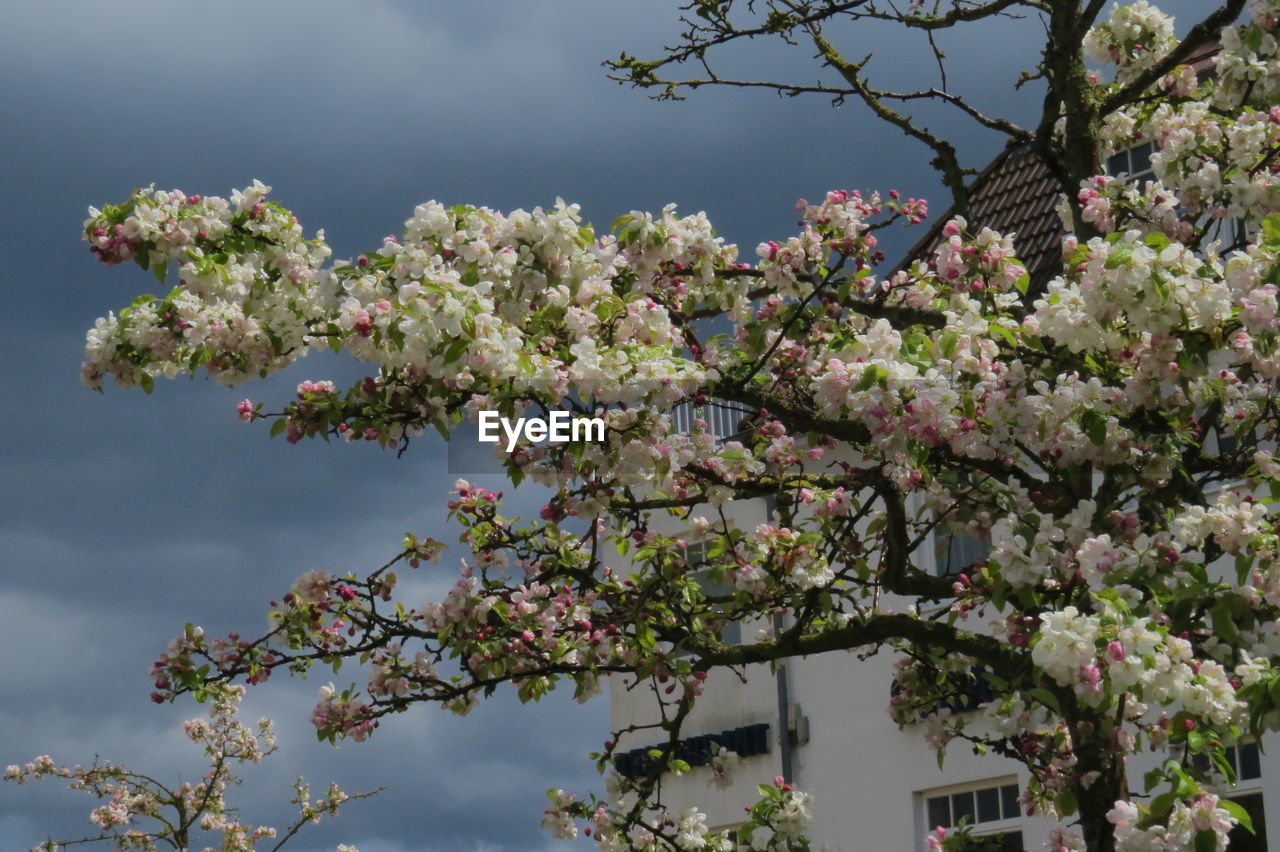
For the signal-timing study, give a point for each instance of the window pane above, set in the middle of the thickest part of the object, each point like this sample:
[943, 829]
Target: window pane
[939, 812]
[962, 806]
[1009, 801]
[1140, 157]
[1240, 840]
[955, 552]
[967, 549]
[1009, 841]
[1118, 163]
[731, 633]
[696, 554]
[1250, 765]
[989, 804]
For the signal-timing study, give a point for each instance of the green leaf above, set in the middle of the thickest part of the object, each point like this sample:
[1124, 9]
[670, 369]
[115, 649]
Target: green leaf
[948, 343]
[1244, 565]
[1224, 623]
[869, 377]
[1094, 426]
[159, 266]
[279, 426]
[644, 637]
[1223, 765]
[1121, 254]
[1066, 803]
[147, 382]
[1271, 230]
[1195, 741]
[1047, 698]
[1238, 813]
[200, 356]
[456, 350]
[1206, 841]
[1186, 787]
[1163, 803]
[996, 328]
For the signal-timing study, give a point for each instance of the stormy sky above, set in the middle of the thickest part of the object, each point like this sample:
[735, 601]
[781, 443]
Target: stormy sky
[122, 517]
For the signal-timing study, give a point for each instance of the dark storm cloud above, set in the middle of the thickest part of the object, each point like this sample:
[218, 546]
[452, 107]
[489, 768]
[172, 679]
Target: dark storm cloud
[122, 517]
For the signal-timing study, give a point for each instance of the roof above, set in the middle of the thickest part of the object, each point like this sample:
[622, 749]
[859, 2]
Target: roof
[1015, 194]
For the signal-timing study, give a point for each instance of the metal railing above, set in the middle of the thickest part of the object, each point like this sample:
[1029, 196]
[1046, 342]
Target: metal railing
[724, 419]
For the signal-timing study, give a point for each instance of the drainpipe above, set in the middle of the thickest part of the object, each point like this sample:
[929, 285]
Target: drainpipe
[785, 745]
[789, 725]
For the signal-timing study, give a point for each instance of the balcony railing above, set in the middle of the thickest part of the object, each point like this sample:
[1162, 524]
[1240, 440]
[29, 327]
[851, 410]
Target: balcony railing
[724, 419]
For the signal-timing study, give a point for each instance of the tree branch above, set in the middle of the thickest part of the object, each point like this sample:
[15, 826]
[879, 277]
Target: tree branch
[872, 630]
[1199, 35]
[945, 161]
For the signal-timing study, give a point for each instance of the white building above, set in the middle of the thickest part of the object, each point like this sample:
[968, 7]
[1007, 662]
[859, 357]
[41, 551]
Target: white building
[821, 722]
[874, 787]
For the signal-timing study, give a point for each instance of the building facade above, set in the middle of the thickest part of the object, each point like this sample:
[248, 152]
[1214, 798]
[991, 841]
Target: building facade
[822, 722]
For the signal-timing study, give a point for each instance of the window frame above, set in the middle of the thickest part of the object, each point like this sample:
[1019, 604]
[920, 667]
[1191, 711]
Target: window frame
[980, 828]
[1254, 785]
[699, 568]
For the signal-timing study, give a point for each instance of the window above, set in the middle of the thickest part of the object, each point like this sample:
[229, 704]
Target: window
[695, 554]
[1135, 163]
[731, 831]
[747, 741]
[724, 419]
[955, 546]
[1240, 840]
[1225, 443]
[1135, 166]
[1006, 841]
[990, 808]
[954, 552]
[1246, 760]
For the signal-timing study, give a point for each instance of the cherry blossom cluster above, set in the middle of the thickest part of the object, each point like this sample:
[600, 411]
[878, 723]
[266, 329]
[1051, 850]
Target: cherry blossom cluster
[1186, 822]
[1214, 136]
[1134, 38]
[1110, 433]
[246, 299]
[180, 816]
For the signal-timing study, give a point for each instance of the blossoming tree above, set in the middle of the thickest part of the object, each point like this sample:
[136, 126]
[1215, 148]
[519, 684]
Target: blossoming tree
[141, 813]
[1113, 435]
